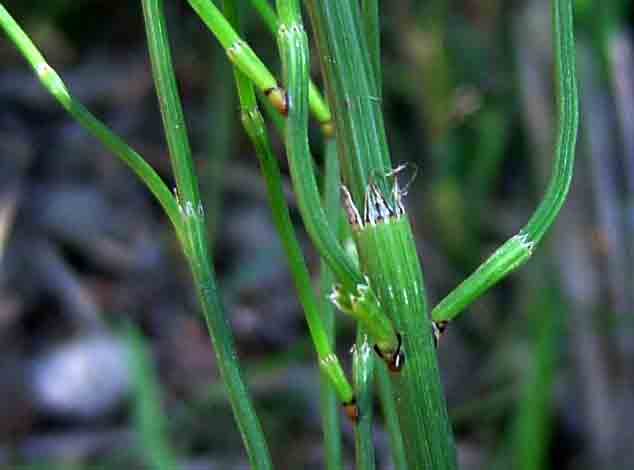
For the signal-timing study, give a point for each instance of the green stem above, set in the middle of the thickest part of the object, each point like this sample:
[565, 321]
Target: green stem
[519, 248]
[318, 106]
[390, 417]
[194, 226]
[371, 22]
[255, 128]
[354, 296]
[56, 87]
[363, 371]
[240, 53]
[384, 239]
[327, 399]
[353, 94]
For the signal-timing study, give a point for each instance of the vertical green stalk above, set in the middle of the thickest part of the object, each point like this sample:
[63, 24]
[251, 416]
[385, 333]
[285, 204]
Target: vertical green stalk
[327, 398]
[371, 23]
[255, 128]
[193, 215]
[353, 294]
[220, 107]
[363, 370]
[518, 249]
[384, 239]
[390, 417]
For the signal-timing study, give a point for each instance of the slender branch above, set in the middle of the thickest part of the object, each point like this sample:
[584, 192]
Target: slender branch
[56, 87]
[327, 399]
[255, 128]
[317, 104]
[195, 229]
[240, 53]
[518, 249]
[363, 371]
[353, 296]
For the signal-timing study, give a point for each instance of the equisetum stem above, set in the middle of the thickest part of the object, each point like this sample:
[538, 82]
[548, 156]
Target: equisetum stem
[327, 398]
[240, 53]
[363, 370]
[390, 417]
[316, 102]
[371, 24]
[256, 130]
[352, 91]
[56, 87]
[519, 248]
[193, 217]
[383, 236]
[353, 295]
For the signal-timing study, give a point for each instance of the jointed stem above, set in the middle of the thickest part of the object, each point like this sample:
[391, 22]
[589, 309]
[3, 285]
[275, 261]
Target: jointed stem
[240, 53]
[316, 102]
[385, 243]
[196, 235]
[254, 126]
[363, 369]
[327, 400]
[354, 295]
[519, 248]
[56, 87]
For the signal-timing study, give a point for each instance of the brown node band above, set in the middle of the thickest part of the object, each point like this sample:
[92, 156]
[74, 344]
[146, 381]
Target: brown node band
[351, 410]
[277, 97]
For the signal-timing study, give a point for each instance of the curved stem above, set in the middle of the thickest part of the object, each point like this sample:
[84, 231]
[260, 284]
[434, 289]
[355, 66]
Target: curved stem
[519, 248]
[56, 87]
[255, 128]
[354, 296]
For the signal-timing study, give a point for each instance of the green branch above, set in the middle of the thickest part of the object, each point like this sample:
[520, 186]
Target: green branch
[56, 87]
[196, 234]
[256, 130]
[518, 249]
[353, 295]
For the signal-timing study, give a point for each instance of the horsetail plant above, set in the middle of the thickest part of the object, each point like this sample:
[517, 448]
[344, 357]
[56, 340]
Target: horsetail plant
[185, 212]
[254, 126]
[383, 290]
[519, 248]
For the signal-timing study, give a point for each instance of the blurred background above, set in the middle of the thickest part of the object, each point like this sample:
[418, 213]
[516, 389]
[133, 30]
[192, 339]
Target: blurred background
[103, 353]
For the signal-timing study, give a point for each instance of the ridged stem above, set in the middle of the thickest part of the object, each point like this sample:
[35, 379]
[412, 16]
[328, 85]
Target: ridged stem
[354, 295]
[519, 248]
[194, 227]
[390, 416]
[317, 104]
[383, 237]
[363, 371]
[56, 87]
[256, 130]
[329, 411]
